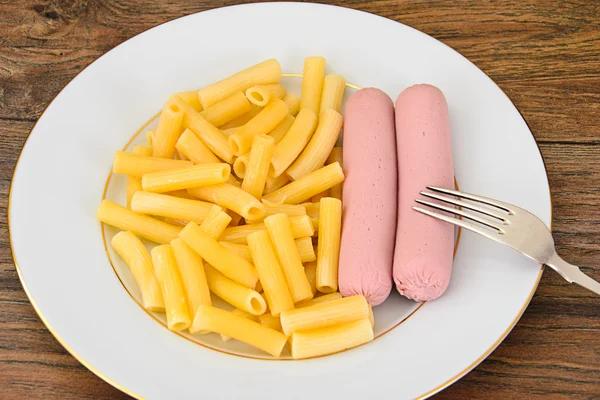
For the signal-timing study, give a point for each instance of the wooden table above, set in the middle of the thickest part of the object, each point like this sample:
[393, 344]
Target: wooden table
[544, 54]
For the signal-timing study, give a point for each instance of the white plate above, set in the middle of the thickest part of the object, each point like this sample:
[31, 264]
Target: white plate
[60, 177]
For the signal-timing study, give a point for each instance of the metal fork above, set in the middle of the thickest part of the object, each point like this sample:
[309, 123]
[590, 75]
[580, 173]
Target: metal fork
[507, 224]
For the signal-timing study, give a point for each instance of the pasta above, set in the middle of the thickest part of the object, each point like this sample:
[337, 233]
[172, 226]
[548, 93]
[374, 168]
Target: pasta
[292, 144]
[134, 253]
[194, 150]
[191, 97]
[310, 269]
[142, 225]
[237, 295]
[186, 178]
[292, 210]
[168, 131]
[243, 314]
[282, 128]
[304, 188]
[270, 273]
[260, 74]
[318, 149]
[173, 207]
[176, 308]
[241, 250]
[312, 83]
[270, 321]
[321, 299]
[306, 250]
[134, 183]
[293, 103]
[231, 197]
[215, 222]
[235, 218]
[247, 331]
[328, 250]
[333, 93]
[260, 95]
[150, 138]
[236, 124]
[226, 110]
[335, 156]
[276, 183]
[240, 164]
[301, 227]
[258, 165]
[279, 229]
[137, 165]
[232, 266]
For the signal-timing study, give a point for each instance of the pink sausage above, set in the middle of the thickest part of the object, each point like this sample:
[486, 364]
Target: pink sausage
[424, 246]
[369, 196]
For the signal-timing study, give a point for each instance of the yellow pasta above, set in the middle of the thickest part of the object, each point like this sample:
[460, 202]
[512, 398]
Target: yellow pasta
[191, 97]
[310, 269]
[134, 183]
[236, 124]
[173, 207]
[243, 314]
[318, 149]
[210, 135]
[240, 164]
[301, 227]
[150, 135]
[306, 187]
[258, 165]
[142, 225]
[134, 253]
[176, 308]
[191, 270]
[333, 93]
[235, 218]
[306, 250]
[186, 178]
[241, 250]
[264, 73]
[227, 110]
[276, 183]
[316, 198]
[231, 197]
[270, 273]
[137, 165]
[215, 222]
[292, 144]
[335, 156]
[247, 331]
[168, 131]
[312, 83]
[270, 321]
[293, 103]
[142, 150]
[262, 94]
[237, 295]
[194, 150]
[232, 266]
[321, 299]
[328, 313]
[263, 122]
[332, 339]
[292, 210]
[279, 229]
[282, 128]
[328, 250]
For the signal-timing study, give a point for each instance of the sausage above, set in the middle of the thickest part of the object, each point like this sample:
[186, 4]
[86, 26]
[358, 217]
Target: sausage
[424, 245]
[369, 196]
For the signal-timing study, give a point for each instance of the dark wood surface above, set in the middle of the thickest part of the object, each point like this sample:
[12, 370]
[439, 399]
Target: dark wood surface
[544, 54]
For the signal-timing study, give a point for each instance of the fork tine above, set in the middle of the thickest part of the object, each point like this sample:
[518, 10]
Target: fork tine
[485, 200]
[462, 213]
[459, 222]
[487, 211]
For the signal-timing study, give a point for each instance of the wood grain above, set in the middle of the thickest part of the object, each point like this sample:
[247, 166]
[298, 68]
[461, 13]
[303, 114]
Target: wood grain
[544, 54]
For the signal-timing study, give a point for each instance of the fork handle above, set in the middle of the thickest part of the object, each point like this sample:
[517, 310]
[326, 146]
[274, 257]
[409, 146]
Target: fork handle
[572, 273]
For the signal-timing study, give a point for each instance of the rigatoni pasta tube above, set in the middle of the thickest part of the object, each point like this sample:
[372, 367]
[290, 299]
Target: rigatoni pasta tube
[324, 314]
[232, 266]
[301, 227]
[176, 308]
[231, 197]
[262, 94]
[264, 73]
[142, 225]
[173, 207]
[328, 250]
[321, 299]
[293, 103]
[240, 164]
[133, 182]
[306, 250]
[134, 253]
[306, 187]
[215, 222]
[318, 149]
[258, 165]
[236, 124]
[186, 178]
[241, 250]
[292, 144]
[150, 138]
[270, 273]
[270, 321]
[212, 137]
[263, 122]
[279, 229]
[247, 331]
[282, 128]
[312, 83]
[310, 269]
[292, 210]
[168, 131]
[332, 339]
[227, 109]
[336, 156]
[137, 165]
[237, 295]
[243, 314]
[191, 97]
[276, 183]
[191, 270]
[194, 150]
[333, 93]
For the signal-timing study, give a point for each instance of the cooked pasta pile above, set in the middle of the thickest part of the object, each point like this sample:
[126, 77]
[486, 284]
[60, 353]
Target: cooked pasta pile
[265, 238]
